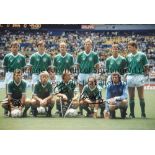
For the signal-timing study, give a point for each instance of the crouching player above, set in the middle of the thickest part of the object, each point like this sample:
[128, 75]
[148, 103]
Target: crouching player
[42, 95]
[65, 91]
[91, 97]
[16, 100]
[116, 96]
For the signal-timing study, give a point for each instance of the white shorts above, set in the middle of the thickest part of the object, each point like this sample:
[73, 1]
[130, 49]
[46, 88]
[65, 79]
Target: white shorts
[136, 80]
[35, 78]
[83, 78]
[8, 77]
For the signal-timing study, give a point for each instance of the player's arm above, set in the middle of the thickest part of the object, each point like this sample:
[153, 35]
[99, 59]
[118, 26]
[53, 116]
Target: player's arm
[96, 62]
[51, 94]
[124, 94]
[146, 65]
[5, 64]
[23, 98]
[35, 96]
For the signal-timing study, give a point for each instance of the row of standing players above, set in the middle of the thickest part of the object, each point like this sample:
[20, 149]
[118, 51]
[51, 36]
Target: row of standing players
[136, 65]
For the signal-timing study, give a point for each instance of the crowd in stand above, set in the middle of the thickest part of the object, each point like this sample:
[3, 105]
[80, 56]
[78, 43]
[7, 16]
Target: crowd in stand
[102, 42]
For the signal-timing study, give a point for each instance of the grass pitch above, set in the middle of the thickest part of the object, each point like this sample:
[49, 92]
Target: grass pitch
[56, 123]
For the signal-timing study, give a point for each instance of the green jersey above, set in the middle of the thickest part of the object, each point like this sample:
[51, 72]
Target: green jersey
[62, 63]
[66, 88]
[17, 90]
[116, 64]
[92, 94]
[136, 63]
[40, 62]
[87, 62]
[42, 91]
[12, 62]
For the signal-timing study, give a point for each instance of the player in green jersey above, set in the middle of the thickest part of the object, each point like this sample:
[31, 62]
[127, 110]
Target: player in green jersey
[42, 95]
[87, 62]
[91, 97]
[39, 61]
[137, 69]
[16, 95]
[13, 60]
[115, 63]
[66, 93]
[62, 61]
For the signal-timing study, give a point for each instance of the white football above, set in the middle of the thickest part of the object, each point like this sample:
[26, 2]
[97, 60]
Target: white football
[71, 113]
[41, 110]
[16, 113]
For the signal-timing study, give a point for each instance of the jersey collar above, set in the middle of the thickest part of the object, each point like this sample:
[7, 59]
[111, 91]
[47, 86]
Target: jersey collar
[43, 85]
[63, 56]
[115, 58]
[14, 55]
[134, 54]
[41, 54]
[88, 53]
[17, 84]
[93, 88]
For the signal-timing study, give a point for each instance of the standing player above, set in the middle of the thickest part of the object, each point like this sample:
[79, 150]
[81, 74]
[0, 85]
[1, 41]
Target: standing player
[39, 61]
[62, 61]
[115, 63]
[17, 94]
[42, 95]
[91, 97]
[87, 61]
[137, 69]
[116, 95]
[13, 61]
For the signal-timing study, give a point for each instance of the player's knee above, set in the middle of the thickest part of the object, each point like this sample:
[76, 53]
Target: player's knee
[33, 102]
[81, 102]
[124, 103]
[112, 107]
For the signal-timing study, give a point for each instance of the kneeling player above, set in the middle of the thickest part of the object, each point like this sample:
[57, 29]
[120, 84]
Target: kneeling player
[116, 96]
[91, 97]
[42, 95]
[16, 96]
[65, 91]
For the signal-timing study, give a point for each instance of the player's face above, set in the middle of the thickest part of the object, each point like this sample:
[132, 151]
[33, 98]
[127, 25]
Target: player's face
[115, 49]
[41, 47]
[91, 83]
[87, 46]
[131, 49]
[67, 77]
[44, 79]
[18, 77]
[63, 48]
[115, 78]
[52, 75]
[14, 48]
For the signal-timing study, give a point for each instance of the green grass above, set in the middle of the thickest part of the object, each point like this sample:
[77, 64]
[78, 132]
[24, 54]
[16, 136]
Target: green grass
[42, 123]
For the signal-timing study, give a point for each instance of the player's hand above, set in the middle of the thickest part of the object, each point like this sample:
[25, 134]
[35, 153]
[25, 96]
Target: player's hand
[44, 102]
[20, 108]
[64, 97]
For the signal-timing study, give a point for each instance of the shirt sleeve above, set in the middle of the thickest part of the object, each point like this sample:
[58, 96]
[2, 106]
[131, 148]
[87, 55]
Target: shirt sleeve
[145, 60]
[125, 94]
[83, 94]
[31, 60]
[24, 89]
[108, 93]
[96, 59]
[5, 61]
[35, 92]
[9, 90]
